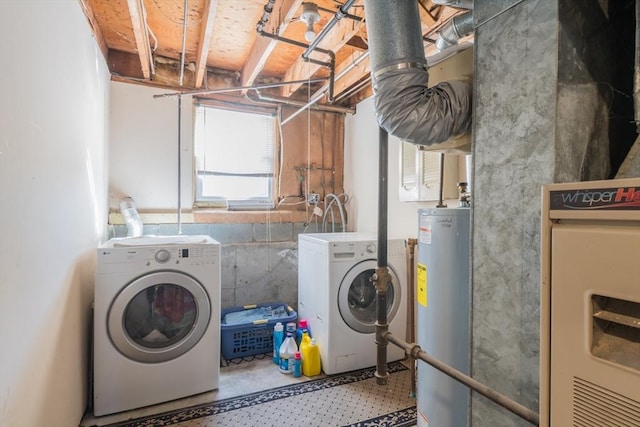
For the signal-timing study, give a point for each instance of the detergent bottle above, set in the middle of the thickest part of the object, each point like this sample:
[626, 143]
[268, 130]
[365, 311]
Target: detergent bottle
[303, 325]
[310, 357]
[305, 340]
[297, 365]
[288, 351]
[278, 337]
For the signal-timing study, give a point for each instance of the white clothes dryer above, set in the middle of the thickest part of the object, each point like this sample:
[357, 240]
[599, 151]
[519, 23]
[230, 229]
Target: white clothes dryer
[156, 321]
[338, 299]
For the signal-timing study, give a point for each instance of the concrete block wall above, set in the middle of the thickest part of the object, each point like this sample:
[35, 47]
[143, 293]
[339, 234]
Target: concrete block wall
[259, 261]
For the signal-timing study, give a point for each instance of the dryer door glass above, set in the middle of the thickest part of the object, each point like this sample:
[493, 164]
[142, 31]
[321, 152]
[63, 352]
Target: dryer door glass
[159, 317]
[357, 297]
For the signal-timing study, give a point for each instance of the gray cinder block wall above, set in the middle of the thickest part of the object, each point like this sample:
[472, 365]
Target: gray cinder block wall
[540, 116]
[259, 261]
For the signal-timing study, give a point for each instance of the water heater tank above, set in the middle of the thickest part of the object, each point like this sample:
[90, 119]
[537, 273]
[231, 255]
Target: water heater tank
[443, 292]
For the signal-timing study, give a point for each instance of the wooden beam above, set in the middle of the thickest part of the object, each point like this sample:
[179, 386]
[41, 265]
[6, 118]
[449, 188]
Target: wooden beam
[339, 36]
[283, 13]
[138, 21]
[206, 32]
[95, 28]
[358, 43]
[124, 64]
[426, 17]
[354, 75]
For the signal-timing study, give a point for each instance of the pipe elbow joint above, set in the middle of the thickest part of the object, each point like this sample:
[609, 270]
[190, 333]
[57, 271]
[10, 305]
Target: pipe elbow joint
[409, 110]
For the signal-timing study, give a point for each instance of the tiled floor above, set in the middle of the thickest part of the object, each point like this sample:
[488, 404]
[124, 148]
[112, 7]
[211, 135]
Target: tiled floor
[236, 379]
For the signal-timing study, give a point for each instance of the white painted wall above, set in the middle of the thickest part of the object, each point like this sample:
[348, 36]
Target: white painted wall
[53, 192]
[361, 179]
[362, 167]
[143, 153]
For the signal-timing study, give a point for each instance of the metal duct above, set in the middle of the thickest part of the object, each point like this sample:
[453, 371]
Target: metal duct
[454, 30]
[630, 167]
[404, 105]
[461, 4]
[636, 77]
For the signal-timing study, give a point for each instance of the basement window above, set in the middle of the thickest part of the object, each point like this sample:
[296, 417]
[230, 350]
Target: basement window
[234, 158]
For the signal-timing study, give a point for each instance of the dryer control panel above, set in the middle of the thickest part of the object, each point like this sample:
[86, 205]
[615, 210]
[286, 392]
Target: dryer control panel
[154, 256]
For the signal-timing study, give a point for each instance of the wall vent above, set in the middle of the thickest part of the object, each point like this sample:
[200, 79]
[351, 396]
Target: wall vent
[595, 406]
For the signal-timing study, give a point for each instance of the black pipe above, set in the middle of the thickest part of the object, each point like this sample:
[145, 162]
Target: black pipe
[296, 43]
[441, 203]
[416, 352]
[346, 15]
[331, 64]
[341, 13]
[383, 165]
[382, 277]
[268, 8]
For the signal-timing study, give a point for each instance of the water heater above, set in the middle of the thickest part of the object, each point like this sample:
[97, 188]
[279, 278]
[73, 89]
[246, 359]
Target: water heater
[443, 293]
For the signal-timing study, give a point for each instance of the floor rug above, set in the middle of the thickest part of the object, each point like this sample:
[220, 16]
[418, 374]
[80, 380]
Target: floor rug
[350, 399]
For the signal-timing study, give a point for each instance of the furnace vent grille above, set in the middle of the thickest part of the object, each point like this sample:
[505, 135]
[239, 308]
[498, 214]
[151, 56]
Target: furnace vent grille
[595, 406]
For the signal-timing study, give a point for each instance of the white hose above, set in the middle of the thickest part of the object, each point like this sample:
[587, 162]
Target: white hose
[334, 199]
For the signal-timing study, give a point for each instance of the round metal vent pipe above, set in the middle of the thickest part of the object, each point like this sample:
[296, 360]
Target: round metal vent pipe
[454, 30]
[405, 106]
[460, 4]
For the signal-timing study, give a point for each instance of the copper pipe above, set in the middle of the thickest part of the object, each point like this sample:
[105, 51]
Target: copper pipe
[411, 312]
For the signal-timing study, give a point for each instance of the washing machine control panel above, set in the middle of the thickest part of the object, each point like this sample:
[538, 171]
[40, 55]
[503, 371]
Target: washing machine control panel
[343, 251]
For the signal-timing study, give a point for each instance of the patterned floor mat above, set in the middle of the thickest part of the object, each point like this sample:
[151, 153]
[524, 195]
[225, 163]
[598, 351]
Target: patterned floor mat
[350, 399]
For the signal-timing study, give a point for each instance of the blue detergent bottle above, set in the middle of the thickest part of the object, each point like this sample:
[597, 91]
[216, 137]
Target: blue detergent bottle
[303, 325]
[278, 338]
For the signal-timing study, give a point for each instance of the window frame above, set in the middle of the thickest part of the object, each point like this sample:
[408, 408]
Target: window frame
[257, 203]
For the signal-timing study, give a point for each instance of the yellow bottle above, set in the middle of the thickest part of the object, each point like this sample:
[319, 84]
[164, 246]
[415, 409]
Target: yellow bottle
[310, 357]
[305, 340]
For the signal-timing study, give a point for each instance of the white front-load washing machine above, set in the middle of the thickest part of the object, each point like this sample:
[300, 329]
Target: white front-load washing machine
[338, 299]
[156, 321]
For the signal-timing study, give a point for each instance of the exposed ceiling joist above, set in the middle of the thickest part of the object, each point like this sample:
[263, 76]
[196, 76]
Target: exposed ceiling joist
[358, 66]
[206, 33]
[141, 34]
[262, 47]
[338, 37]
[223, 48]
[426, 17]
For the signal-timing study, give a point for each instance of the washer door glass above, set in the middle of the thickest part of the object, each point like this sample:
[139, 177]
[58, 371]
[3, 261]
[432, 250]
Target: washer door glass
[357, 297]
[159, 316]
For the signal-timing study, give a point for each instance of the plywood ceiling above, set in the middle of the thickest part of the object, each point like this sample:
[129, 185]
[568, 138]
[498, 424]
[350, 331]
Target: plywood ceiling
[216, 45]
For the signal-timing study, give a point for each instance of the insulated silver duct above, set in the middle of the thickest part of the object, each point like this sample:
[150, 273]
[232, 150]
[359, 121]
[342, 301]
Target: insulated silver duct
[461, 4]
[404, 105]
[454, 30]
